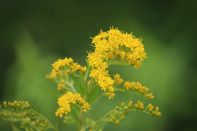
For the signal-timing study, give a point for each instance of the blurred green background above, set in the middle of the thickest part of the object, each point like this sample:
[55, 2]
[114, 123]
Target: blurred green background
[35, 33]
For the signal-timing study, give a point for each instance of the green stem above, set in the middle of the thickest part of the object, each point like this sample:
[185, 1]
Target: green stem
[87, 73]
[81, 120]
[71, 86]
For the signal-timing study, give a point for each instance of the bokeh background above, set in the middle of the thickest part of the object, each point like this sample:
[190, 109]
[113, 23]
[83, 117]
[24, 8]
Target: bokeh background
[35, 33]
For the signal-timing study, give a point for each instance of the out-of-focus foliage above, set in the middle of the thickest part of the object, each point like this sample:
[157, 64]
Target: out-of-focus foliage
[55, 29]
[20, 115]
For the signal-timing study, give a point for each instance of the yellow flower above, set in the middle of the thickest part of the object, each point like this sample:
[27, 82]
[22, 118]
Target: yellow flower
[52, 75]
[157, 112]
[113, 45]
[150, 107]
[61, 84]
[139, 105]
[17, 104]
[118, 79]
[64, 67]
[136, 86]
[154, 110]
[61, 63]
[65, 102]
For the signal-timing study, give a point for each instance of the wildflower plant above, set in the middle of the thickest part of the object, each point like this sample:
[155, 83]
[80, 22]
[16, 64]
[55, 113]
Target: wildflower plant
[81, 87]
[21, 115]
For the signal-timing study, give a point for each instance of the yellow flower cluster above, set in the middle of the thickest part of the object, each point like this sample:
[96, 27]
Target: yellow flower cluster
[139, 105]
[151, 109]
[65, 102]
[62, 68]
[65, 66]
[109, 46]
[17, 104]
[61, 84]
[118, 79]
[139, 88]
[69, 63]
[154, 110]
[120, 111]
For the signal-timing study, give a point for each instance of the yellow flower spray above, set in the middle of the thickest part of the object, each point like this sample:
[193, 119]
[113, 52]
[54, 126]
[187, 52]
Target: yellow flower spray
[112, 47]
[82, 86]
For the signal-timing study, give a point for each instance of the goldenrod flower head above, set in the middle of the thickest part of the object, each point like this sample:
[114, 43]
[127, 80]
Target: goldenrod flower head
[65, 102]
[63, 70]
[61, 63]
[150, 107]
[119, 45]
[113, 45]
[16, 104]
[53, 74]
[65, 66]
[153, 110]
[157, 112]
[61, 84]
[139, 105]
[118, 79]
[130, 104]
[137, 86]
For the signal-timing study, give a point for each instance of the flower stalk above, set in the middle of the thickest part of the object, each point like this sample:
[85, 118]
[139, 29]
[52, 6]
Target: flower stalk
[82, 87]
[94, 80]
